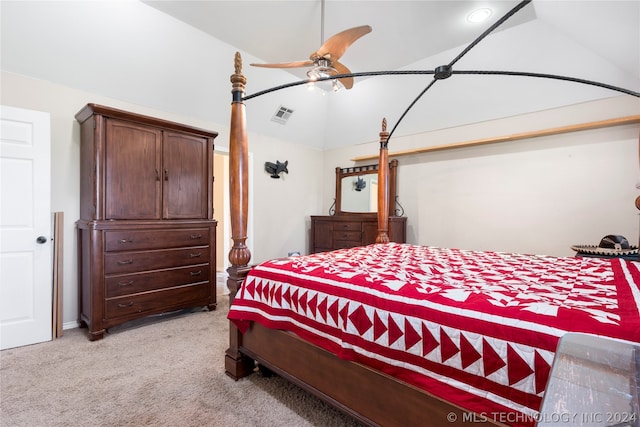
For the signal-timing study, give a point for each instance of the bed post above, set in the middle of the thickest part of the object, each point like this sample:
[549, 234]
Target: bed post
[383, 186]
[237, 365]
[239, 254]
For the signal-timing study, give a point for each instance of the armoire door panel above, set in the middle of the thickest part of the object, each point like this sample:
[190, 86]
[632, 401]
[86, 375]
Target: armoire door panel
[185, 176]
[132, 178]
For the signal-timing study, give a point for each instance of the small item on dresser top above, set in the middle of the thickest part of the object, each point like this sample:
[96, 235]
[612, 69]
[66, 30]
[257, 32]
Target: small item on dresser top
[610, 245]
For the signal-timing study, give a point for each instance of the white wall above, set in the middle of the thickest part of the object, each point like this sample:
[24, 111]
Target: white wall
[538, 195]
[281, 207]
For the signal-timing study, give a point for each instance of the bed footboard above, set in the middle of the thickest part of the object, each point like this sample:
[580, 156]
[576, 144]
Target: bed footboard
[367, 395]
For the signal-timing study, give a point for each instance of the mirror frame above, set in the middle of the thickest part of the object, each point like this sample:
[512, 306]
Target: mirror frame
[365, 170]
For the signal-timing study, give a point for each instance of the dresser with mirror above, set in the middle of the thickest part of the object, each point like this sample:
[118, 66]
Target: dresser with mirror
[353, 220]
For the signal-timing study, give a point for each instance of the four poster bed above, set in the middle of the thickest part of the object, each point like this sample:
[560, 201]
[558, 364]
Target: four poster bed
[402, 335]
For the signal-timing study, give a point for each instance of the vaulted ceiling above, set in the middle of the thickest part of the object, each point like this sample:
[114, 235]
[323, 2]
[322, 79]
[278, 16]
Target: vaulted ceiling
[177, 56]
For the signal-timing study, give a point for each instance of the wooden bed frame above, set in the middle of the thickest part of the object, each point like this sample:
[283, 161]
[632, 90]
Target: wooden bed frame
[369, 396]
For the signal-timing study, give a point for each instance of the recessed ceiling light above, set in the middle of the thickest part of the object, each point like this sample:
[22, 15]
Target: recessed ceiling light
[479, 15]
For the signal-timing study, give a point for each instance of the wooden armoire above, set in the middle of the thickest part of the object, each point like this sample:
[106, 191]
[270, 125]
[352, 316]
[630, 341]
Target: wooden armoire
[146, 233]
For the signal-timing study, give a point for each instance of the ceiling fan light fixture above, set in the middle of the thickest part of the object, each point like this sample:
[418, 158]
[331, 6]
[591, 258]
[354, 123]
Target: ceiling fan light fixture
[322, 70]
[479, 15]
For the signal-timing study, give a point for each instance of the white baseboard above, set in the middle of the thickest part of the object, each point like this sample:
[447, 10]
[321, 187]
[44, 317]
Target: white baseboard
[70, 325]
[221, 282]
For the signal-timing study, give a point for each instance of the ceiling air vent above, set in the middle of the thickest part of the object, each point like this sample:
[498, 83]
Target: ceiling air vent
[282, 115]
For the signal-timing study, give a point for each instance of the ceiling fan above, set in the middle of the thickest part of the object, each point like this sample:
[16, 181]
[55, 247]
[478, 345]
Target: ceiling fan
[325, 61]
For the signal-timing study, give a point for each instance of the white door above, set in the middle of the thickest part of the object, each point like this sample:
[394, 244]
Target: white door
[26, 263]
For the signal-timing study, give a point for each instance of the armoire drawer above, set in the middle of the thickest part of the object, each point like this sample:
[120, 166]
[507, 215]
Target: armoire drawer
[137, 261]
[141, 282]
[128, 240]
[148, 301]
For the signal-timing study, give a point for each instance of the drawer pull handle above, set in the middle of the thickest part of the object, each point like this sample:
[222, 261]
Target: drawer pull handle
[129, 304]
[196, 236]
[125, 241]
[125, 262]
[195, 255]
[129, 283]
[195, 273]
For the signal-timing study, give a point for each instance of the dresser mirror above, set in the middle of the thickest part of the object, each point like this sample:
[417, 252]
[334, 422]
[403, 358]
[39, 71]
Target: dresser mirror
[357, 189]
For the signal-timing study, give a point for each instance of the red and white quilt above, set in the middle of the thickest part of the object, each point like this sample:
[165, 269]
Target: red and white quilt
[478, 329]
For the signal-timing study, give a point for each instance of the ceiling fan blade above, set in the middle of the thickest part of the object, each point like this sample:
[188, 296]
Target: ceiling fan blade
[296, 64]
[347, 82]
[337, 44]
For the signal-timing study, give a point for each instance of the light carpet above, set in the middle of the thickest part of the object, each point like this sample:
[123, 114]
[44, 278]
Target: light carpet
[164, 372]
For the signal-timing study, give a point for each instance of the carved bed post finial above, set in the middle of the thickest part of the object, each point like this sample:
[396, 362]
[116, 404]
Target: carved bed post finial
[383, 186]
[238, 80]
[237, 63]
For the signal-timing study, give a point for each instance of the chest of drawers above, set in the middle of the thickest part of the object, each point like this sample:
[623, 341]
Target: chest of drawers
[346, 231]
[133, 270]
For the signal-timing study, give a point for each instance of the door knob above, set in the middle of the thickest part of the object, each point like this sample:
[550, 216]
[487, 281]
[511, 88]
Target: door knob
[41, 239]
